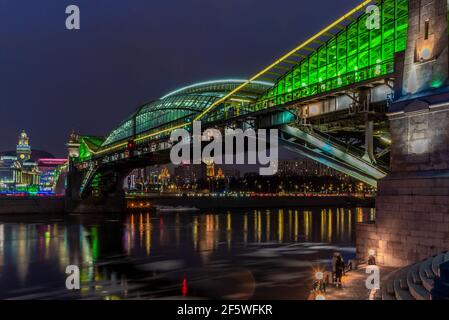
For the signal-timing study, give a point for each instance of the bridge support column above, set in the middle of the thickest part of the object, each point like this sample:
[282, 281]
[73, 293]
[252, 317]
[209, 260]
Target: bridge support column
[369, 140]
[74, 180]
[412, 207]
[111, 198]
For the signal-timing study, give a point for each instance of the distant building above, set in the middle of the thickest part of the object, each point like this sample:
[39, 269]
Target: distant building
[9, 166]
[152, 179]
[230, 172]
[28, 170]
[304, 167]
[18, 170]
[49, 172]
[194, 173]
[190, 173]
[251, 175]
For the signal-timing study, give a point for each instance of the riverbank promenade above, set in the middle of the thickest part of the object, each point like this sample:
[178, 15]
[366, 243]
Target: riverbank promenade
[354, 287]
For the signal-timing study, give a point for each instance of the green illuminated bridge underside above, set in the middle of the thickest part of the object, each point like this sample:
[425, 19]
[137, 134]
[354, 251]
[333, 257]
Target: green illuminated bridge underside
[354, 55]
[351, 53]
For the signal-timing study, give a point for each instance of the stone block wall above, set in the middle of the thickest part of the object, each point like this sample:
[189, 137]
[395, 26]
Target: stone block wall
[412, 207]
[421, 136]
[421, 72]
[412, 221]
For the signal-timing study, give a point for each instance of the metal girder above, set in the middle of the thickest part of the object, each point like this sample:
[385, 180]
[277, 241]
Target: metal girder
[309, 48]
[350, 18]
[383, 152]
[281, 68]
[274, 73]
[299, 55]
[351, 97]
[387, 83]
[319, 42]
[328, 34]
[265, 79]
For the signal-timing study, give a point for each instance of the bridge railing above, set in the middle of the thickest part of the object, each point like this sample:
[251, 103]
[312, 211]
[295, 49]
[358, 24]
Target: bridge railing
[346, 147]
[338, 143]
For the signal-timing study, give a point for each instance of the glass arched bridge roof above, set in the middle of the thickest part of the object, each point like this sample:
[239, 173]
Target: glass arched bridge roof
[184, 103]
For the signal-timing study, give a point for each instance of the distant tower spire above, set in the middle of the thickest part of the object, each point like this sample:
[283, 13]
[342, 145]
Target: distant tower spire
[23, 148]
[73, 145]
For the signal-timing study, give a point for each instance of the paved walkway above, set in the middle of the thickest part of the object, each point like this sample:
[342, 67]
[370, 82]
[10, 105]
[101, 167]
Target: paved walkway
[353, 286]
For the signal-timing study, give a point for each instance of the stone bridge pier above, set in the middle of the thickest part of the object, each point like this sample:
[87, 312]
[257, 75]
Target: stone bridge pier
[412, 207]
[108, 198]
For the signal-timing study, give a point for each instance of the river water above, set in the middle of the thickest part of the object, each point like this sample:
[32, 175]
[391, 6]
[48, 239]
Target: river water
[238, 254]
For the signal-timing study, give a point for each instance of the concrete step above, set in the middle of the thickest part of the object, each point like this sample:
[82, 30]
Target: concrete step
[414, 271]
[401, 289]
[386, 295]
[437, 260]
[425, 269]
[446, 256]
[414, 284]
[388, 289]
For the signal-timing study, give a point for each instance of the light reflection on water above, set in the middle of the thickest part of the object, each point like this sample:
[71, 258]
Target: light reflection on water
[147, 255]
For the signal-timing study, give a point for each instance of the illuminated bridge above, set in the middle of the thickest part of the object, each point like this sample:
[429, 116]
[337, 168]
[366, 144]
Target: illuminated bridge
[329, 97]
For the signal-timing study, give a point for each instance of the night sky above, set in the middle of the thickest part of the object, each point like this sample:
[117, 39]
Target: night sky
[129, 52]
